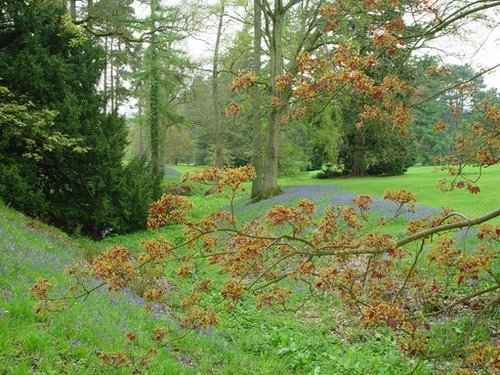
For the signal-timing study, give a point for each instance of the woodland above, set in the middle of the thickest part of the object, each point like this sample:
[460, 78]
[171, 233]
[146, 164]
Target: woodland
[254, 187]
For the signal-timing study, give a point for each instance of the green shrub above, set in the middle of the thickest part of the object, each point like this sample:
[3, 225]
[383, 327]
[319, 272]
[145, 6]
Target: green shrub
[60, 155]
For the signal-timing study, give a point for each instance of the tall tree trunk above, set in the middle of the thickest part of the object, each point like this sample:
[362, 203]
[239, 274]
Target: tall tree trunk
[112, 77]
[105, 89]
[90, 14]
[219, 126]
[358, 162]
[117, 78]
[72, 9]
[257, 159]
[153, 95]
[141, 128]
[270, 183]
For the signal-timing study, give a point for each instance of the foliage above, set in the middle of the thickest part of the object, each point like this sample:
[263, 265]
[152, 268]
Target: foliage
[64, 164]
[179, 189]
[289, 256]
[476, 144]
[461, 89]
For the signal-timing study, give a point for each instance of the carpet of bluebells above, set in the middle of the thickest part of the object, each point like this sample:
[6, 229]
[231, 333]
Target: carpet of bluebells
[170, 173]
[324, 196]
[28, 251]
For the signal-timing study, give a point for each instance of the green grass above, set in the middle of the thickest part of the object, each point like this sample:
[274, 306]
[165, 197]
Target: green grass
[247, 342]
[250, 342]
[423, 181]
[66, 342]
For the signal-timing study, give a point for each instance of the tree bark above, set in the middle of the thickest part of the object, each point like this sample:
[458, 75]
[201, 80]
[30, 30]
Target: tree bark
[117, 78]
[219, 126]
[140, 123]
[105, 89]
[274, 31]
[153, 95]
[358, 162]
[270, 184]
[112, 77]
[72, 9]
[90, 15]
[257, 158]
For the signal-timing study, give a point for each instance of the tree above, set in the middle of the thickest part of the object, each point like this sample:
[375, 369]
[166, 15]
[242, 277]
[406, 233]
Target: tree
[153, 90]
[48, 62]
[459, 89]
[163, 64]
[257, 157]
[381, 37]
[275, 18]
[219, 128]
[178, 145]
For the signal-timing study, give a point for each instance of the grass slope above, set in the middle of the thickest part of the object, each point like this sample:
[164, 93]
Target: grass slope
[248, 342]
[66, 342]
[69, 342]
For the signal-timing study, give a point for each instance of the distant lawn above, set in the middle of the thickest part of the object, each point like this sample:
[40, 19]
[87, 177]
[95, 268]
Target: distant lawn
[423, 181]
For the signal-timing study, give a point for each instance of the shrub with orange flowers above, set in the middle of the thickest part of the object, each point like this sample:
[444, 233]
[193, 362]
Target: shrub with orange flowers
[244, 79]
[169, 209]
[40, 288]
[294, 253]
[477, 145]
[115, 266]
[233, 109]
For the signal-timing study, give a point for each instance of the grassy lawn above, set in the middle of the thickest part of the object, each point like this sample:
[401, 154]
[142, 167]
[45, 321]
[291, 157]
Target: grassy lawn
[423, 181]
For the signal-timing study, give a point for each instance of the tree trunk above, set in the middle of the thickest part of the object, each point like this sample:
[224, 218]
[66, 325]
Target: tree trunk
[117, 78]
[219, 126]
[112, 77]
[90, 14]
[153, 96]
[72, 9]
[358, 162]
[141, 129]
[257, 159]
[105, 89]
[270, 183]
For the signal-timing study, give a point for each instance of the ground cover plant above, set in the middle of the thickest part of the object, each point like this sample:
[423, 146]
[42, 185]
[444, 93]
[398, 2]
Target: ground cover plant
[72, 341]
[238, 312]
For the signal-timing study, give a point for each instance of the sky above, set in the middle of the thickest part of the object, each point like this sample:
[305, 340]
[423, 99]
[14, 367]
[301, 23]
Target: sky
[477, 44]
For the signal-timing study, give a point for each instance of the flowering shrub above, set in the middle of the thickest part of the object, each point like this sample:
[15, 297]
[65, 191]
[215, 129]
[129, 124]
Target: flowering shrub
[291, 253]
[169, 209]
[477, 145]
[244, 79]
